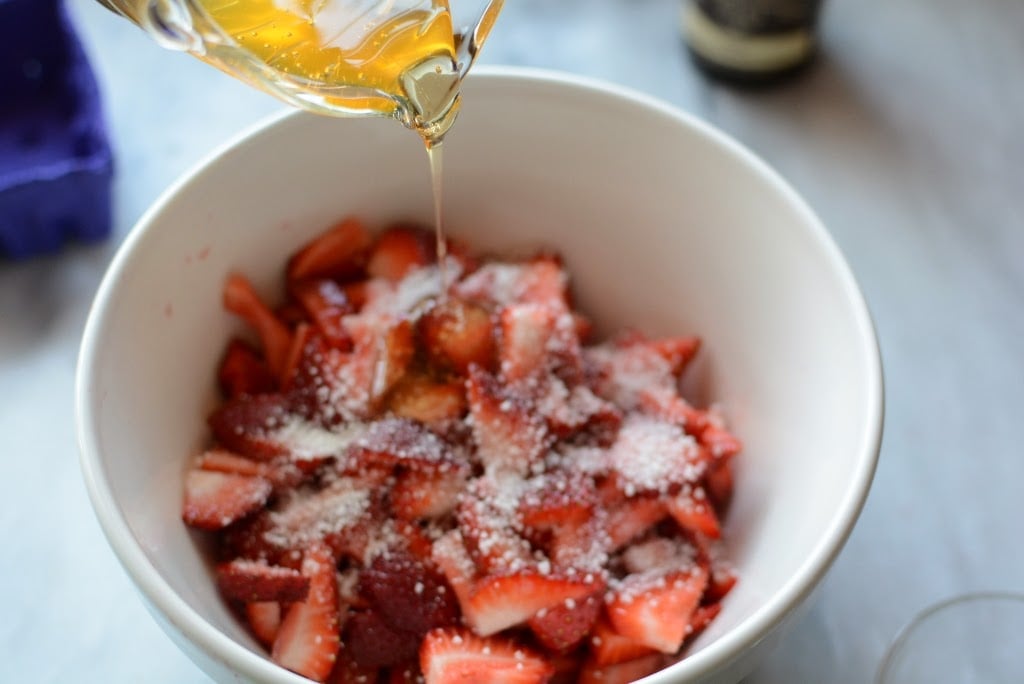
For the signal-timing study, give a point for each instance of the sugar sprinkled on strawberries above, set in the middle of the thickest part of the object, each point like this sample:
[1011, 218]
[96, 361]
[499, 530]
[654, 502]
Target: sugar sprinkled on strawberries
[555, 489]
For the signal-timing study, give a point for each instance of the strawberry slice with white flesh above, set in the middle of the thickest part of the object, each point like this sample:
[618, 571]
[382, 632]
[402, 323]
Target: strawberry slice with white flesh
[654, 609]
[452, 655]
[308, 639]
[264, 620]
[253, 580]
[215, 500]
[510, 436]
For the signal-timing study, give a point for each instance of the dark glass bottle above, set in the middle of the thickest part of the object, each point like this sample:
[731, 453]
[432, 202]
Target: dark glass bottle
[751, 41]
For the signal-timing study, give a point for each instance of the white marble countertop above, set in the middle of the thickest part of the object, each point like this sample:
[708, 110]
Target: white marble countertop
[908, 139]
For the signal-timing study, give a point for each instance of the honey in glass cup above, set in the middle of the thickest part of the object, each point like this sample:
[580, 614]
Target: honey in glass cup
[399, 58]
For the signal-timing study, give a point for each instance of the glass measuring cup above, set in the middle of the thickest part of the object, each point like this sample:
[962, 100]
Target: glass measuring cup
[398, 58]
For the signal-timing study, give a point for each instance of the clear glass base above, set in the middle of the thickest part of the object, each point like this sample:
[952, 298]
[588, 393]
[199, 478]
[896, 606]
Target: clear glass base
[972, 638]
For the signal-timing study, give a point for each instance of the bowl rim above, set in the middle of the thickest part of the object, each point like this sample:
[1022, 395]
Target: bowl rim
[158, 594]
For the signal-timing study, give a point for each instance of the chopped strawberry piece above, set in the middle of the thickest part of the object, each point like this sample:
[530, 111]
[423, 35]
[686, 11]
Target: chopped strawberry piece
[389, 442]
[632, 519]
[252, 580]
[241, 299]
[264, 619]
[544, 281]
[375, 643]
[291, 314]
[434, 403]
[215, 500]
[654, 609]
[720, 443]
[721, 574]
[326, 304]
[498, 602]
[223, 461]
[246, 425]
[569, 412]
[626, 372]
[678, 351]
[510, 436]
[242, 371]
[488, 533]
[408, 594]
[565, 626]
[622, 673]
[337, 253]
[608, 647]
[383, 351]
[406, 673]
[428, 494]
[584, 548]
[348, 671]
[307, 642]
[692, 509]
[660, 554]
[719, 485]
[668, 405]
[456, 334]
[452, 655]
[701, 618]
[451, 557]
[342, 516]
[557, 499]
[652, 455]
[398, 251]
[526, 330]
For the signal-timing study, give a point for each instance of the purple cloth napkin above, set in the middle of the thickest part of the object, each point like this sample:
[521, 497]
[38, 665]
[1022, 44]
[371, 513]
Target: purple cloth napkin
[55, 159]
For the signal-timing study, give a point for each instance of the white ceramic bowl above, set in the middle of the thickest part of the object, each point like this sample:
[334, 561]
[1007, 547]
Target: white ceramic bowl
[666, 225]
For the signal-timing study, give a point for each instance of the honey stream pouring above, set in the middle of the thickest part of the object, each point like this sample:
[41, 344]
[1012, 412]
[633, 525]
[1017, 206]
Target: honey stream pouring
[395, 58]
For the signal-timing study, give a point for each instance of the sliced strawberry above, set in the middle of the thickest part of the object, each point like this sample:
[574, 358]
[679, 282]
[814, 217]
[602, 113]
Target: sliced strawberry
[307, 642]
[509, 434]
[420, 398]
[241, 299]
[498, 602]
[342, 516]
[406, 673]
[569, 412]
[252, 580]
[383, 351]
[722, 575]
[337, 253]
[348, 671]
[291, 314]
[584, 548]
[399, 250]
[668, 405]
[456, 333]
[246, 425]
[719, 485]
[409, 595]
[544, 281]
[264, 619]
[424, 494]
[608, 647]
[242, 371]
[215, 500]
[563, 627]
[526, 330]
[326, 304]
[223, 461]
[651, 455]
[625, 372]
[654, 609]
[488, 531]
[678, 351]
[660, 554]
[632, 519]
[391, 442]
[557, 499]
[452, 559]
[693, 511]
[375, 643]
[621, 673]
[451, 655]
[701, 618]
[719, 442]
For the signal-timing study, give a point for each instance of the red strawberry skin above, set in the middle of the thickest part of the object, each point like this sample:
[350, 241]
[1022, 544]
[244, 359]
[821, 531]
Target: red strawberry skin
[409, 594]
[264, 619]
[562, 628]
[248, 581]
[308, 640]
[657, 614]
